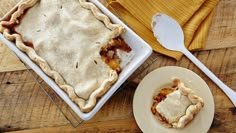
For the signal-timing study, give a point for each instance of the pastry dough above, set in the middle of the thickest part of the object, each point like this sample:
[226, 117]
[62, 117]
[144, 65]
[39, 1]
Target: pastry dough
[179, 106]
[66, 38]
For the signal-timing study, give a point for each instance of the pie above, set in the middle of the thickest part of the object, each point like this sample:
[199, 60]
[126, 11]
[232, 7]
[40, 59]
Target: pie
[73, 43]
[176, 106]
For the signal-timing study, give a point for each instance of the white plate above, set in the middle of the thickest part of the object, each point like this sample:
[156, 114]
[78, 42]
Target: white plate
[141, 49]
[156, 80]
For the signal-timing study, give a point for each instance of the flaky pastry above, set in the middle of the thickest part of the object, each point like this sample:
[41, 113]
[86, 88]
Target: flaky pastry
[65, 38]
[176, 106]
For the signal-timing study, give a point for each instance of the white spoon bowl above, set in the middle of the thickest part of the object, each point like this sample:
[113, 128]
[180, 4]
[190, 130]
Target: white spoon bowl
[170, 35]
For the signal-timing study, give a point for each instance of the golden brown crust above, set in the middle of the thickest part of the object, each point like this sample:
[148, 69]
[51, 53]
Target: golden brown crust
[85, 106]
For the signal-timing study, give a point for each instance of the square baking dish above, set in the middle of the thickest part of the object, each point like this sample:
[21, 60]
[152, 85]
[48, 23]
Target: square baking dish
[141, 49]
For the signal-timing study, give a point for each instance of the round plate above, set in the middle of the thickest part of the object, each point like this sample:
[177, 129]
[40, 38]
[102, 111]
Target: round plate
[156, 80]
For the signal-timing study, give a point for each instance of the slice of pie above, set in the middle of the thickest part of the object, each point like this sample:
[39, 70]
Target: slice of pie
[176, 106]
[73, 42]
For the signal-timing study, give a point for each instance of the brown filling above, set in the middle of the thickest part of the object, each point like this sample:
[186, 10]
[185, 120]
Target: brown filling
[162, 96]
[109, 54]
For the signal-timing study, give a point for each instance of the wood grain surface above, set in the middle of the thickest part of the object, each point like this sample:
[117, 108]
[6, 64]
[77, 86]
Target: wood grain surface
[6, 6]
[25, 107]
[8, 60]
[221, 35]
[223, 28]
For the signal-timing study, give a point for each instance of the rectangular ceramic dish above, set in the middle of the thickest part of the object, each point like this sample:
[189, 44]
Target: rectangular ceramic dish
[141, 49]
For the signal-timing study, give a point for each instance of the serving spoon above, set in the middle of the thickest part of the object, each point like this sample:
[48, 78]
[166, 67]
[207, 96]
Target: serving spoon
[170, 35]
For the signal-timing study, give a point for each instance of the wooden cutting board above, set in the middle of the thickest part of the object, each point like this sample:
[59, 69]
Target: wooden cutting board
[221, 35]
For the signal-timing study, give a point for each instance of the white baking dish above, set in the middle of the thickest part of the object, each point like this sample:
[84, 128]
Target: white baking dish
[141, 49]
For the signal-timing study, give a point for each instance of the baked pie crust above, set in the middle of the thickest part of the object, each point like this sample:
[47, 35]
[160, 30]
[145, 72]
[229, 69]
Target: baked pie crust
[65, 37]
[176, 106]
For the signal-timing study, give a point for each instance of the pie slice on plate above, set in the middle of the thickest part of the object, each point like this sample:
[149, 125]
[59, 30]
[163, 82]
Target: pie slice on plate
[176, 106]
[73, 43]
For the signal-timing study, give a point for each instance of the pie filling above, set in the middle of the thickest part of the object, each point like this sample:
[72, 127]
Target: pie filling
[176, 106]
[160, 97]
[109, 53]
[73, 43]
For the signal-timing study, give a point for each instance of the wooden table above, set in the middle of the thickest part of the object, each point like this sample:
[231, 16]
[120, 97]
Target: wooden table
[25, 107]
